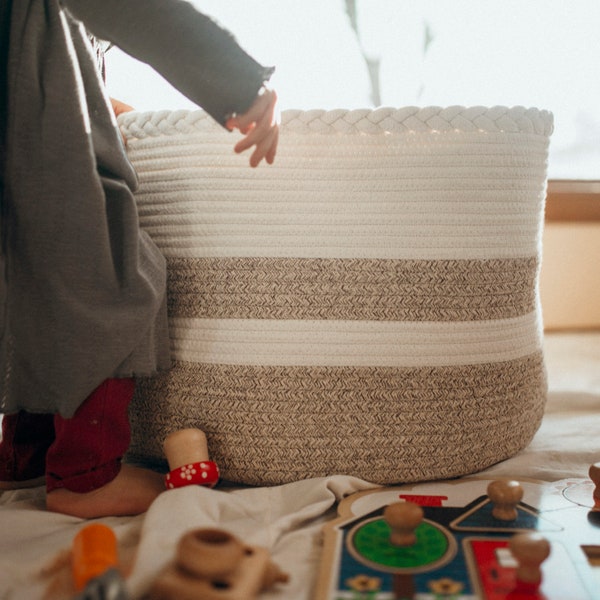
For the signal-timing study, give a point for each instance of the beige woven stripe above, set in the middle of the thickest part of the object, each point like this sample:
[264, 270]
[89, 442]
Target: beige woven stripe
[351, 289]
[271, 425]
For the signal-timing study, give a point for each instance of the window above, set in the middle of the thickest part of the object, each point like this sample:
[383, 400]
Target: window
[542, 53]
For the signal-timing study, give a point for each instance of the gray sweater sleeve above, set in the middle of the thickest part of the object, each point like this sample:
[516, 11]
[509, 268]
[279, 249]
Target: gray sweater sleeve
[198, 57]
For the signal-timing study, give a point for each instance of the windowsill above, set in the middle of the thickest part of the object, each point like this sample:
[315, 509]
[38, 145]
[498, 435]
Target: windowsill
[573, 200]
[569, 279]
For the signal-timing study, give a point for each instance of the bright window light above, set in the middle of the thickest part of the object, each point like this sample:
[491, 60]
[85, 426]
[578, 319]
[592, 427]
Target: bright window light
[542, 53]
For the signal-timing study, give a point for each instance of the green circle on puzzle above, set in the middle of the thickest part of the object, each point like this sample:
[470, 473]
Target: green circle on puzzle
[372, 541]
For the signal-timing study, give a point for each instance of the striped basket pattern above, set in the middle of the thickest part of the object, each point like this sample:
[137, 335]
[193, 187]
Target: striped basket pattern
[366, 306]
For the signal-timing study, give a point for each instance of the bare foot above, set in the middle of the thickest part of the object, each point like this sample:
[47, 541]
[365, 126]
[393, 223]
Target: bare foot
[130, 493]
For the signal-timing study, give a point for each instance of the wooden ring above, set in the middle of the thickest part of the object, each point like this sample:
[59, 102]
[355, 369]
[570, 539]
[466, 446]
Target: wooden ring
[209, 553]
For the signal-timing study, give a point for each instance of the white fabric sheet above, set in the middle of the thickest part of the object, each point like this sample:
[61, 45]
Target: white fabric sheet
[34, 543]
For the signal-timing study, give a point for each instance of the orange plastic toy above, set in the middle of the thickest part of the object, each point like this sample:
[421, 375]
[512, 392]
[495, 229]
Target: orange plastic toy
[94, 552]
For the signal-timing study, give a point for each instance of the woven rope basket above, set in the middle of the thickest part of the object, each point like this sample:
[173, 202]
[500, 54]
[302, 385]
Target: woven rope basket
[366, 306]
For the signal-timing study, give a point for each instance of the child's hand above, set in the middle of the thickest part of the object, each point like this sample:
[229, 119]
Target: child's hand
[260, 125]
[120, 107]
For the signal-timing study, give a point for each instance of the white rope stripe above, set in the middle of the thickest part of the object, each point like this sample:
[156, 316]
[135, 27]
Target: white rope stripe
[351, 178]
[429, 234]
[315, 153]
[383, 120]
[186, 224]
[432, 185]
[480, 143]
[402, 246]
[495, 203]
[473, 192]
[356, 343]
[312, 174]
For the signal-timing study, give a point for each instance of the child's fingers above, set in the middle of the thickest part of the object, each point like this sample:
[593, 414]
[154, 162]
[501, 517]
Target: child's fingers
[266, 149]
[260, 126]
[258, 129]
[265, 145]
[263, 108]
[270, 156]
[258, 133]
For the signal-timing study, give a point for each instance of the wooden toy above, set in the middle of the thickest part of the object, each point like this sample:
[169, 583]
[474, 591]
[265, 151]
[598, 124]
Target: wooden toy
[477, 538]
[505, 495]
[595, 477]
[530, 550]
[189, 463]
[403, 518]
[212, 564]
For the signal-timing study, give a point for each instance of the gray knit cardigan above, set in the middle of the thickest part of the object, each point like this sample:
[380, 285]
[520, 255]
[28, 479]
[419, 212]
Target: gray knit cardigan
[82, 288]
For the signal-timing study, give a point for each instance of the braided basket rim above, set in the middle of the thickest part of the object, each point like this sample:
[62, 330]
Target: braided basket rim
[384, 120]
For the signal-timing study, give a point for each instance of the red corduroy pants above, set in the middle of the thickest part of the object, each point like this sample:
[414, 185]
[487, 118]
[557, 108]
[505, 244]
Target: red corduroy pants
[80, 454]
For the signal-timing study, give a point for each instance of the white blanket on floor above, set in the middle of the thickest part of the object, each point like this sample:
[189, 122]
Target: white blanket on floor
[286, 519]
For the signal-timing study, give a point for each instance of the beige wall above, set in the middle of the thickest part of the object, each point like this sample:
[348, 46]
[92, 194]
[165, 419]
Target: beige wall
[570, 275]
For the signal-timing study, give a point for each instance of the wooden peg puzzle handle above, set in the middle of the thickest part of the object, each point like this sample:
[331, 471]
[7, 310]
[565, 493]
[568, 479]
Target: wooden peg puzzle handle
[505, 495]
[403, 519]
[185, 447]
[530, 550]
[595, 477]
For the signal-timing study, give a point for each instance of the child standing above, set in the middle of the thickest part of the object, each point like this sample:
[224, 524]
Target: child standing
[82, 289]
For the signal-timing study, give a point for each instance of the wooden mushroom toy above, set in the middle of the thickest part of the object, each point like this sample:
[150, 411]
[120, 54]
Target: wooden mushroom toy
[189, 463]
[212, 564]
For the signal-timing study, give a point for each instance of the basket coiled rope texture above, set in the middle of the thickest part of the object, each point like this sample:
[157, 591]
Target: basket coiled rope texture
[366, 306]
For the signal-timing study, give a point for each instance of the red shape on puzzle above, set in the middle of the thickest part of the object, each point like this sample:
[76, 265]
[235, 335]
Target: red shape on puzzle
[424, 500]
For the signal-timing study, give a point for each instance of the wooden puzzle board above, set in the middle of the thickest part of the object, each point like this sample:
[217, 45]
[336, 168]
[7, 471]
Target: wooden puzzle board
[462, 551]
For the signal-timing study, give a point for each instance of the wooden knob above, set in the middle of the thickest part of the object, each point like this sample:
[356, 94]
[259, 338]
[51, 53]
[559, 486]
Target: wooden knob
[209, 553]
[530, 550]
[505, 495]
[185, 447]
[403, 519]
[595, 477]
